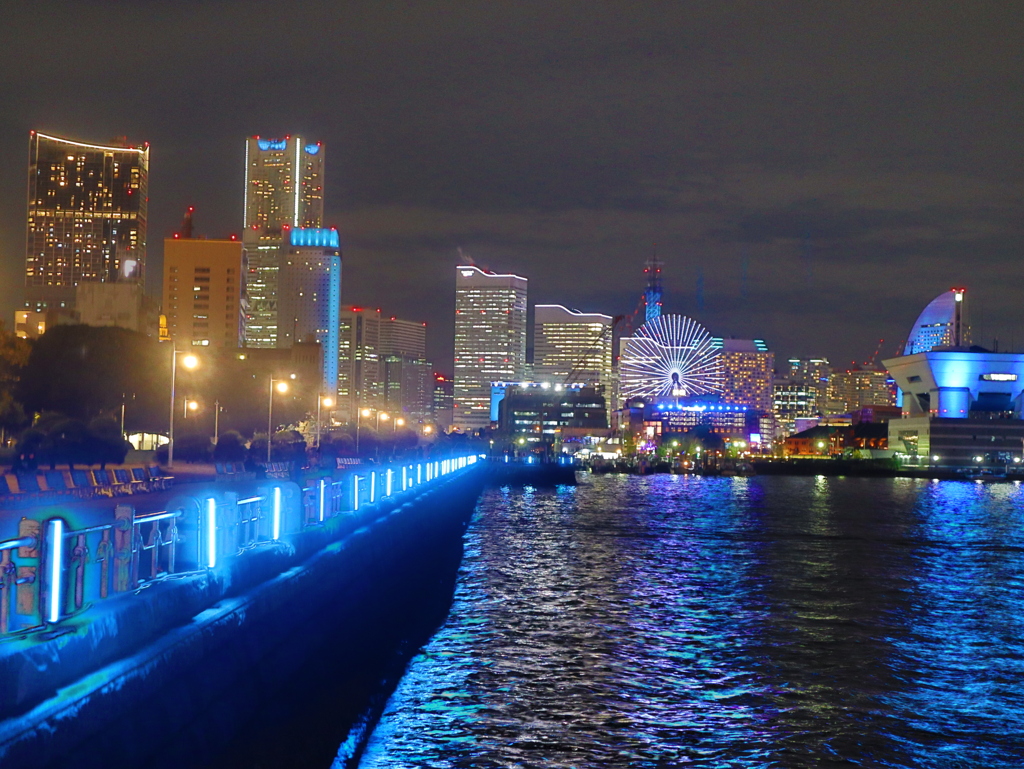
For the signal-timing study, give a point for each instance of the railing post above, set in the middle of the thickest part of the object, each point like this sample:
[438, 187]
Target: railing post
[124, 548]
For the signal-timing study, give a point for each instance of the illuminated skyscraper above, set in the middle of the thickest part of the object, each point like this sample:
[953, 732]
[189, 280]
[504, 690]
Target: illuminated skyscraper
[360, 367]
[310, 298]
[941, 324]
[490, 340]
[572, 347]
[87, 209]
[284, 188]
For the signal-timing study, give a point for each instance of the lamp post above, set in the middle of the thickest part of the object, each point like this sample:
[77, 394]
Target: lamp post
[325, 401]
[216, 422]
[385, 416]
[282, 387]
[190, 362]
[360, 413]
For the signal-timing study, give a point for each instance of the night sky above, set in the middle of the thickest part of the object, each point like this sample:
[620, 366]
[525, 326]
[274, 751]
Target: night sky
[813, 173]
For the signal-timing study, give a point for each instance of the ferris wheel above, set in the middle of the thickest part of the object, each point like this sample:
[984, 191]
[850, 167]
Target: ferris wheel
[670, 355]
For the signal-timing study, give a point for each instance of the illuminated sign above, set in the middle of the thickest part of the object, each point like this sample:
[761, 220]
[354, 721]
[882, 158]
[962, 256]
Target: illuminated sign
[272, 144]
[999, 377]
[312, 149]
[314, 237]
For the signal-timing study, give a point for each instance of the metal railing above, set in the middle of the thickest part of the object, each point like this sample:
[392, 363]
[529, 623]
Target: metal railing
[50, 572]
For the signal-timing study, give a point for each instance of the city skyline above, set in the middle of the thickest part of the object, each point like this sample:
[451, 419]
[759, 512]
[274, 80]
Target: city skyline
[796, 196]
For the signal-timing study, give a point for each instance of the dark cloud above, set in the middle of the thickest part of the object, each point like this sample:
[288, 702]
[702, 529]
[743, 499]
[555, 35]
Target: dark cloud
[824, 169]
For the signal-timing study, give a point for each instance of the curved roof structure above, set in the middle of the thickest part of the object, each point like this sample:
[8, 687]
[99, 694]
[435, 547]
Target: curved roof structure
[939, 324]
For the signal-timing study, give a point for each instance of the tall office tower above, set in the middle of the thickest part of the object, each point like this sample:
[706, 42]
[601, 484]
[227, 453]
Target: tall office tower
[571, 347]
[408, 387]
[813, 373]
[407, 338]
[202, 292]
[309, 307]
[284, 187]
[87, 210]
[359, 361]
[490, 340]
[442, 401]
[792, 401]
[408, 376]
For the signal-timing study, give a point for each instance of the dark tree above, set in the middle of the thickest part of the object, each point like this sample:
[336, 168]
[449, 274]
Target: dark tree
[230, 447]
[85, 372]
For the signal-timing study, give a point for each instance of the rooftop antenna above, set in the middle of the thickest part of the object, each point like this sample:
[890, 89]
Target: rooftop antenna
[186, 223]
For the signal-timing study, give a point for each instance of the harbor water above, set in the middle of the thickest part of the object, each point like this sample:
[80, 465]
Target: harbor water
[666, 621]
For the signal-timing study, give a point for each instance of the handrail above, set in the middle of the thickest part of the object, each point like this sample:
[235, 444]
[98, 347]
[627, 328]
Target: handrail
[60, 572]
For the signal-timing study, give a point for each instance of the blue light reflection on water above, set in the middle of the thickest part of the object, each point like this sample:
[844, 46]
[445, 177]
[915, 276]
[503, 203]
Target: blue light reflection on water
[674, 620]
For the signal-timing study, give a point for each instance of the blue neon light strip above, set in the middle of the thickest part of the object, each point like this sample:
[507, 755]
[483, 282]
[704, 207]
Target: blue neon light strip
[211, 533]
[277, 512]
[323, 492]
[56, 567]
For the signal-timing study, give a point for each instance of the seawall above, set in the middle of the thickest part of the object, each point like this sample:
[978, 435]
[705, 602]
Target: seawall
[350, 594]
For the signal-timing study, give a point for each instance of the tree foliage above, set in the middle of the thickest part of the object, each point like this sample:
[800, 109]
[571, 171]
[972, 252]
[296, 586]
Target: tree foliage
[85, 371]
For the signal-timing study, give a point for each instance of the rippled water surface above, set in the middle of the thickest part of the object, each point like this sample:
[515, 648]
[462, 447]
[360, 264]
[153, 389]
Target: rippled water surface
[670, 620]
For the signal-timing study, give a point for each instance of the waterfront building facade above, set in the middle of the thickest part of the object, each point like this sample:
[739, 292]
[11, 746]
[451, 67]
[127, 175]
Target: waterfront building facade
[87, 217]
[202, 292]
[490, 340]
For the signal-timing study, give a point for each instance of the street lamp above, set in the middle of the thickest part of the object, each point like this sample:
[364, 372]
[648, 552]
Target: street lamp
[282, 387]
[322, 400]
[360, 413]
[190, 361]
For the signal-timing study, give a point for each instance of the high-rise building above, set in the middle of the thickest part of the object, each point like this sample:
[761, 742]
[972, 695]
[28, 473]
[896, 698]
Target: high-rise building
[442, 400]
[407, 338]
[571, 347]
[813, 373]
[309, 306]
[748, 377]
[857, 388]
[284, 183]
[284, 188]
[942, 323]
[490, 340]
[202, 291]
[87, 212]
[408, 387]
[360, 372]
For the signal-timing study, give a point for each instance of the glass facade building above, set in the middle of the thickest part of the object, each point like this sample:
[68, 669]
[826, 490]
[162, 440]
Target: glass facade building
[941, 324]
[87, 214]
[490, 340]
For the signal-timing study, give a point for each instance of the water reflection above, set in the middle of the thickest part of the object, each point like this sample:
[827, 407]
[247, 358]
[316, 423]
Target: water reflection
[674, 620]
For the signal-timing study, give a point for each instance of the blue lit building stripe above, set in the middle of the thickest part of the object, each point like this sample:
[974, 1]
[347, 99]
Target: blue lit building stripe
[315, 237]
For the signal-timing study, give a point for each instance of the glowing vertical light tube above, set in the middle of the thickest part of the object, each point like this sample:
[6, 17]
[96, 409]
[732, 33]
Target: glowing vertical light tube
[373, 487]
[355, 492]
[419, 474]
[387, 482]
[323, 494]
[405, 477]
[277, 512]
[211, 533]
[55, 537]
